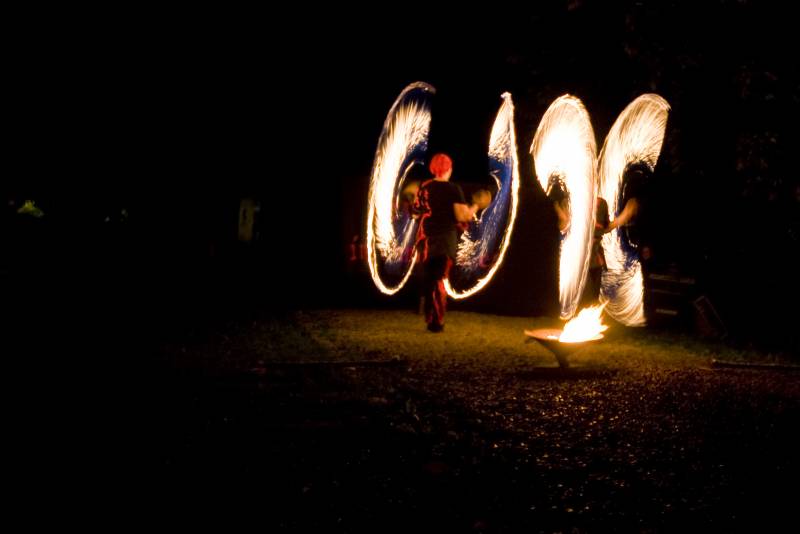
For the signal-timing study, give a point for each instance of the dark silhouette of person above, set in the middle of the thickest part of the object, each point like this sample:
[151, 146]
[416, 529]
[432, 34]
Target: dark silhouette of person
[631, 200]
[558, 195]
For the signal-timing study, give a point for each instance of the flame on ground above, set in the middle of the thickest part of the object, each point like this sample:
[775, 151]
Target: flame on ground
[585, 326]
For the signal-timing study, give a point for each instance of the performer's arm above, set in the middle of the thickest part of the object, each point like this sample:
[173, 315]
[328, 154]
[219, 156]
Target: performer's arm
[628, 212]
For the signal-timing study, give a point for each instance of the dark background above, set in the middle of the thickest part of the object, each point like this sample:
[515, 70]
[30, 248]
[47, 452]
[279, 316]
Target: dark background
[176, 116]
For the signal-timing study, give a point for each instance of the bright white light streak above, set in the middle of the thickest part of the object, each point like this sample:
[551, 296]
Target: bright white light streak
[564, 145]
[405, 132]
[637, 136]
[503, 157]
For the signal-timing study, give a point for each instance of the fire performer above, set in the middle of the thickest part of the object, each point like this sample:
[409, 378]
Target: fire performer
[635, 178]
[442, 206]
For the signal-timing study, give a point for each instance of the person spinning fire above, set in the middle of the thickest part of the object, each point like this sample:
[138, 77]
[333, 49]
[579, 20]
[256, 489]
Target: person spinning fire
[441, 206]
[633, 190]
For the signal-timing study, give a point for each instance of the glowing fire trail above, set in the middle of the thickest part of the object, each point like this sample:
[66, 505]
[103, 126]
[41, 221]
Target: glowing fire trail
[402, 144]
[637, 136]
[564, 150]
[483, 245]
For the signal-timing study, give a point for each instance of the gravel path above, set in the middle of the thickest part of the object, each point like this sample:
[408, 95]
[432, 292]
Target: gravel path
[474, 430]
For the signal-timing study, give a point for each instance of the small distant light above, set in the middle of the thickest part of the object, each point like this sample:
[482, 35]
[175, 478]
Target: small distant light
[30, 208]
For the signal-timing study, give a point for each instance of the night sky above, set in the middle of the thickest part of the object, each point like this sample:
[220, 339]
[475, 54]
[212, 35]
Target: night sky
[175, 116]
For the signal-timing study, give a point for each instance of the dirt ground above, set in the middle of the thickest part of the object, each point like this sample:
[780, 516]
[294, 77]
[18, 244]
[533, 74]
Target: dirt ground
[362, 421]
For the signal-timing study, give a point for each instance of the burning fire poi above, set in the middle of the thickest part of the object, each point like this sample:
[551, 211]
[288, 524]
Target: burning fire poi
[564, 148]
[402, 144]
[637, 136]
[489, 236]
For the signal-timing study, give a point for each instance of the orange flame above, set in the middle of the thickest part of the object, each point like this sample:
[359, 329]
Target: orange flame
[587, 325]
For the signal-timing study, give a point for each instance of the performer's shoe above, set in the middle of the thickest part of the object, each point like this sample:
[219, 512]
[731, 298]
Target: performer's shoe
[436, 328]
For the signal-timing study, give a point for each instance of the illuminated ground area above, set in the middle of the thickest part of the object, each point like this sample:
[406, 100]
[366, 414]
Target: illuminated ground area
[472, 429]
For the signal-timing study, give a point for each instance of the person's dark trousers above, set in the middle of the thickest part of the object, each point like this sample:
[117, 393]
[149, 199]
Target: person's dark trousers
[436, 269]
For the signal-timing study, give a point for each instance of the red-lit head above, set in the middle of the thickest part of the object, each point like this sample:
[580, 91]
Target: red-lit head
[441, 166]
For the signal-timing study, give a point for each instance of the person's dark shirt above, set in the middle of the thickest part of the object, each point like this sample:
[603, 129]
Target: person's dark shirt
[435, 201]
